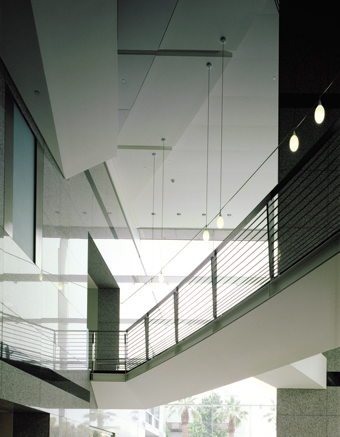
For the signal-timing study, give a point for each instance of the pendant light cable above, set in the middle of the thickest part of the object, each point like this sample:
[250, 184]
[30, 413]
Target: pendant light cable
[208, 122]
[206, 235]
[153, 206]
[161, 277]
[220, 221]
[223, 42]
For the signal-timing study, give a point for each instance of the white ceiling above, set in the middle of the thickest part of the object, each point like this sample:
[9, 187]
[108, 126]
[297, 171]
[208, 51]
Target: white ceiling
[103, 66]
[172, 103]
[113, 80]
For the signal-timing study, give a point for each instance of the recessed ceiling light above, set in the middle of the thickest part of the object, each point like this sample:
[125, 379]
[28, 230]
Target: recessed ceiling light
[179, 213]
[204, 214]
[172, 180]
[274, 77]
[123, 80]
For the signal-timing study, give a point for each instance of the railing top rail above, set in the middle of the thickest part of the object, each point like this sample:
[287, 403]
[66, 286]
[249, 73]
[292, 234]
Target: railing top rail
[335, 127]
[111, 332]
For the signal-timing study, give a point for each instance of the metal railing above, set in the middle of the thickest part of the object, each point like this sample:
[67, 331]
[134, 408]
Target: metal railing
[38, 345]
[297, 216]
[107, 351]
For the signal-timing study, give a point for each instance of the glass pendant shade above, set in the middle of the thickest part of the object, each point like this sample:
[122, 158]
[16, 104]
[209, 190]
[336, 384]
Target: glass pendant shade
[161, 277]
[319, 114]
[206, 235]
[294, 142]
[220, 222]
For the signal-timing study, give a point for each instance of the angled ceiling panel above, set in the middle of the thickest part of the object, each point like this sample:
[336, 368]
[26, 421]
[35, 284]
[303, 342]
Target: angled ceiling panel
[78, 43]
[170, 97]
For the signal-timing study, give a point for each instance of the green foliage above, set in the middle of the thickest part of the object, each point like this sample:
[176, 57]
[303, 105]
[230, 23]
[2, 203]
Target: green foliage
[198, 429]
[212, 419]
[184, 407]
[271, 416]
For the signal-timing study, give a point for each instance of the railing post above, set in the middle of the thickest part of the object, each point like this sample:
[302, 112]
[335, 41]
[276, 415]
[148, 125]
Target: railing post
[176, 314]
[126, 348]
[54, 349]
[146, 325]
[93, 351]
[270, 236]
[214, 283]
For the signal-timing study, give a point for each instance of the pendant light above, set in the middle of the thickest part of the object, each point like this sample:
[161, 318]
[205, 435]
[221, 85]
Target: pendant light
[294, 142]
[161, 276]
[206, 235]
[220, 221]
[153, 214]
[319, 114]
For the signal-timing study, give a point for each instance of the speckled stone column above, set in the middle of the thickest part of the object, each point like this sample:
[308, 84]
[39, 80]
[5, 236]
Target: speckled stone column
[108, 320]
[310, 413]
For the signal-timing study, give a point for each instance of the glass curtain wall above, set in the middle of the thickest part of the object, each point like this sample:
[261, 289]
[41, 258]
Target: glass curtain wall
[244, 409]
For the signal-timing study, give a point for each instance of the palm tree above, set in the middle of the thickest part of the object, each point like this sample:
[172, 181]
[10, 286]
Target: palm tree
[100, 416]
[234, 414]
[183, 407]
[271, 416]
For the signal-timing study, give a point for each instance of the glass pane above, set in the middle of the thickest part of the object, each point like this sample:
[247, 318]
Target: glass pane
[23, 184]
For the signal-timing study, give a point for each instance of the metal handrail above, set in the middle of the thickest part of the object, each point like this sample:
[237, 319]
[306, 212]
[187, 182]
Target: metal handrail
[263, 225]
[271, 239]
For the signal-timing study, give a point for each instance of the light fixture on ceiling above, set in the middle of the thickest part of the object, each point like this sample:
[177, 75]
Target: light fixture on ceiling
[319, 114]
[60, 285]
[206, 235]
[220, 221]
[153, 213]
[161, 276]
[294, 142]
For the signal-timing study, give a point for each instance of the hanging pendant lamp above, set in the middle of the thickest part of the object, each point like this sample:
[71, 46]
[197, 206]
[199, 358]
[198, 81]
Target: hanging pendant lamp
[294, 142]
[220, 221]
[319, 114]
[206, 235]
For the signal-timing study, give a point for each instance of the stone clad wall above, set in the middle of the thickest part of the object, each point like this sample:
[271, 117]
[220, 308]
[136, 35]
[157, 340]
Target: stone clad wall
[310, 413]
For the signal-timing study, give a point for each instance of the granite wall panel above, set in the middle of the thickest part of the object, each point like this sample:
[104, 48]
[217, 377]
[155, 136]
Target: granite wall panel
[310, 413]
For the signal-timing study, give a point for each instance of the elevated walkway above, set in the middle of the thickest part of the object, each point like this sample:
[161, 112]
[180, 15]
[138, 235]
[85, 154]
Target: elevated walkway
[268, 296]
[269, 330]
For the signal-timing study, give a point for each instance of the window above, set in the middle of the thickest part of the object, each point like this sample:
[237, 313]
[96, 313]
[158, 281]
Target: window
[23, 182]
